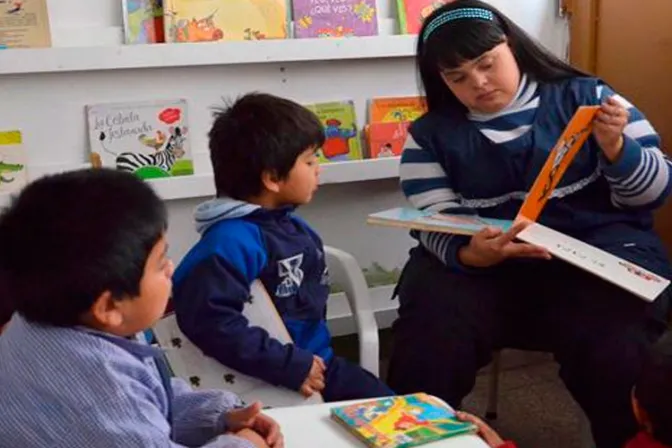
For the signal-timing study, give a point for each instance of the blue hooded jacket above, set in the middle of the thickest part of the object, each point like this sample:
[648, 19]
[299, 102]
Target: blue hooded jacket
[242, 242]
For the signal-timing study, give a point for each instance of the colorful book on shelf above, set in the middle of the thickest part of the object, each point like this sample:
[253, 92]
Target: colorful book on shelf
[13, 172]
[412, 13]
[334, 18]
[24, 24]
[342, 140]
[214, 20]
[396, 109]
[143, 21]
[148, 138]
[389, 119]
[401, 421]
[203, 372]
[633, 278]
[385, 139]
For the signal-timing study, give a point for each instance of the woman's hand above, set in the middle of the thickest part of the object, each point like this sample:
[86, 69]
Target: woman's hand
[486, 433]
[610, 122]
[491, 246]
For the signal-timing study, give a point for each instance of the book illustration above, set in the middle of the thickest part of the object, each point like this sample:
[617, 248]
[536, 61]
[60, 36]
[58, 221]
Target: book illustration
[402, 421]
[188, 362]
[342, 141]
[13, 173]
[334, 18]
[145, 138]
[635, 279]
[24, 24]
[386, 139]
[143, 21]
[396, 109]
[572, 139]
[214, 20]
[436, 222]
[412, 13]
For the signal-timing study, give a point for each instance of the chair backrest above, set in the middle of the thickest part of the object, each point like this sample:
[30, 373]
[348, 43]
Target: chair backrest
[189, 363]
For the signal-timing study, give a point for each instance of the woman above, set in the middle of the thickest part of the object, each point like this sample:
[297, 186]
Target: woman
[497, 104]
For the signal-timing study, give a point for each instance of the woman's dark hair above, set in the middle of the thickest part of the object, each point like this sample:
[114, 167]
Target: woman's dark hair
[458, 41]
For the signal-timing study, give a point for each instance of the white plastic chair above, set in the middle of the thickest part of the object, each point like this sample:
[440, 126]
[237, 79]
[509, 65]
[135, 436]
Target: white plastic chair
[190, 364]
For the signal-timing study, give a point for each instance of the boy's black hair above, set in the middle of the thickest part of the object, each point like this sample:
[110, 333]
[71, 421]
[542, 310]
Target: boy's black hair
[69, 237]
[653, 389]
[259, 133]
[459, 41]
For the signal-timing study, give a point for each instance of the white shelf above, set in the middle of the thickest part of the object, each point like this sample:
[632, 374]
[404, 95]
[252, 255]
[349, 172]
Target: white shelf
[72, 59]
[202, 185]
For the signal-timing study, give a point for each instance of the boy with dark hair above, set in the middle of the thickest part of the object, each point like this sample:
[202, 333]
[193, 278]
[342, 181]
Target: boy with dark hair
[263, 151]
[84, 261]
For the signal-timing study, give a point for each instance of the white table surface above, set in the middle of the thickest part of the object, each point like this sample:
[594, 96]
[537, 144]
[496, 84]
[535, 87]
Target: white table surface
[311, 426]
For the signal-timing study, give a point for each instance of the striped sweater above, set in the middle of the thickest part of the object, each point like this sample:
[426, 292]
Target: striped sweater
[637, 183]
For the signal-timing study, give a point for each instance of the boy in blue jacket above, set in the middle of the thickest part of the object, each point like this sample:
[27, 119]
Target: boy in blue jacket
[264, 155]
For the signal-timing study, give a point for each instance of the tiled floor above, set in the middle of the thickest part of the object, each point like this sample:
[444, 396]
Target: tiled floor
[534, 408]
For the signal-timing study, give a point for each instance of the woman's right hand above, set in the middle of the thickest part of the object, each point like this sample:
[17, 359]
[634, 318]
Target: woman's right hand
[491, 246]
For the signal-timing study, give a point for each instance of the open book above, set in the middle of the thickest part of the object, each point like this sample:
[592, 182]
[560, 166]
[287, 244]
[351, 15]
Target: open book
[189, 363]
[633, 278]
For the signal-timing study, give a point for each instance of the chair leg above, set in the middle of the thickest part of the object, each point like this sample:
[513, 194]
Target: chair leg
[493, 390]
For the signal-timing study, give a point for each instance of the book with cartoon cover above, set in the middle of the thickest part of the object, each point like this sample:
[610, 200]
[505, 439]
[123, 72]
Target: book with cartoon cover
[632, 278]
[334, 18]
[401, 421]
[342, 139]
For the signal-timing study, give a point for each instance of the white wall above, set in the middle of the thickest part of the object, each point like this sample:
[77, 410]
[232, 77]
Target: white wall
[49, 109]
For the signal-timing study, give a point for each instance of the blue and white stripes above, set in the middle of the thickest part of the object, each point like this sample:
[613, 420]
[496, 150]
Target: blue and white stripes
[642, 177]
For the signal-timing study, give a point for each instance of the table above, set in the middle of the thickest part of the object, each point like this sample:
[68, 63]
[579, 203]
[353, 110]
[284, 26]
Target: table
[311, 427]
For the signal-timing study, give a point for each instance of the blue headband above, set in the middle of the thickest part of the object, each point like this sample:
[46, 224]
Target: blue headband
[457, 14]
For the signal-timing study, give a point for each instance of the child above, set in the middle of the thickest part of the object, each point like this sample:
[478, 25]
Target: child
[650, 401]
[84, 259]
[263, 151]
[497, 104]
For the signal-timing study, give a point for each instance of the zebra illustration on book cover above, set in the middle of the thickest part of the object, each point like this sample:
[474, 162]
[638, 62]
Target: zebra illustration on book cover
[147, 138]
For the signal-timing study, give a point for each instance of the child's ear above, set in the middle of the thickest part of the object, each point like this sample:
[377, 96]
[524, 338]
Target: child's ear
[270, 181]
[106, 312]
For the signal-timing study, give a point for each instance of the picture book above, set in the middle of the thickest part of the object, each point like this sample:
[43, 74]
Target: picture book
[628, 276]
[203, 372]
[150, 138]
[396, 109]
[342, 140]
[214, 20]
[13, 173]
[334, 18]
[385, 139]
[401, 421]
[143, 21]
[413, 12]
[24, 24]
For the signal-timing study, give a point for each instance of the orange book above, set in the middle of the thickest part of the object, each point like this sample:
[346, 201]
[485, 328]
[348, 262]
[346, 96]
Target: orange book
[396, 109]
[571, 140]
[386, 139]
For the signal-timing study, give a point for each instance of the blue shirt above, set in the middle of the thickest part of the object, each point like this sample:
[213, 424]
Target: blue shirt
[73, 387]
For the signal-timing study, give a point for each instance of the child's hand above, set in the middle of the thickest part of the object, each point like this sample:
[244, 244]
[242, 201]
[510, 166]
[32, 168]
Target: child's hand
[484, 431]
[251, 437]
[315, 380]
[251, 418]
[611, 120]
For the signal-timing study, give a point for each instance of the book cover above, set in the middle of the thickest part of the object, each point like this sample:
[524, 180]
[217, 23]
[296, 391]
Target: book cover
[342, 141]
[214, 20]
[386, 139]
[413, 12]
[150, 138]
[435, 222]
[334, 18]
[24, 24]
[143, 21]
[13, 173]
[402, 421]
[396, 109]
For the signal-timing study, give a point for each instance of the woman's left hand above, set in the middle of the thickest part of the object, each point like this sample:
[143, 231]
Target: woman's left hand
[611, 120]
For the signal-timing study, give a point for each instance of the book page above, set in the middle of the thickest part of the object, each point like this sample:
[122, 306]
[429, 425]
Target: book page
[24, 24]
[637, 280]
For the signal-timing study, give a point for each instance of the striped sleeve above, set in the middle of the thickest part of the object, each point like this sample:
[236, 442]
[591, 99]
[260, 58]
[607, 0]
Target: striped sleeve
[427, 187]
[642, 177]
